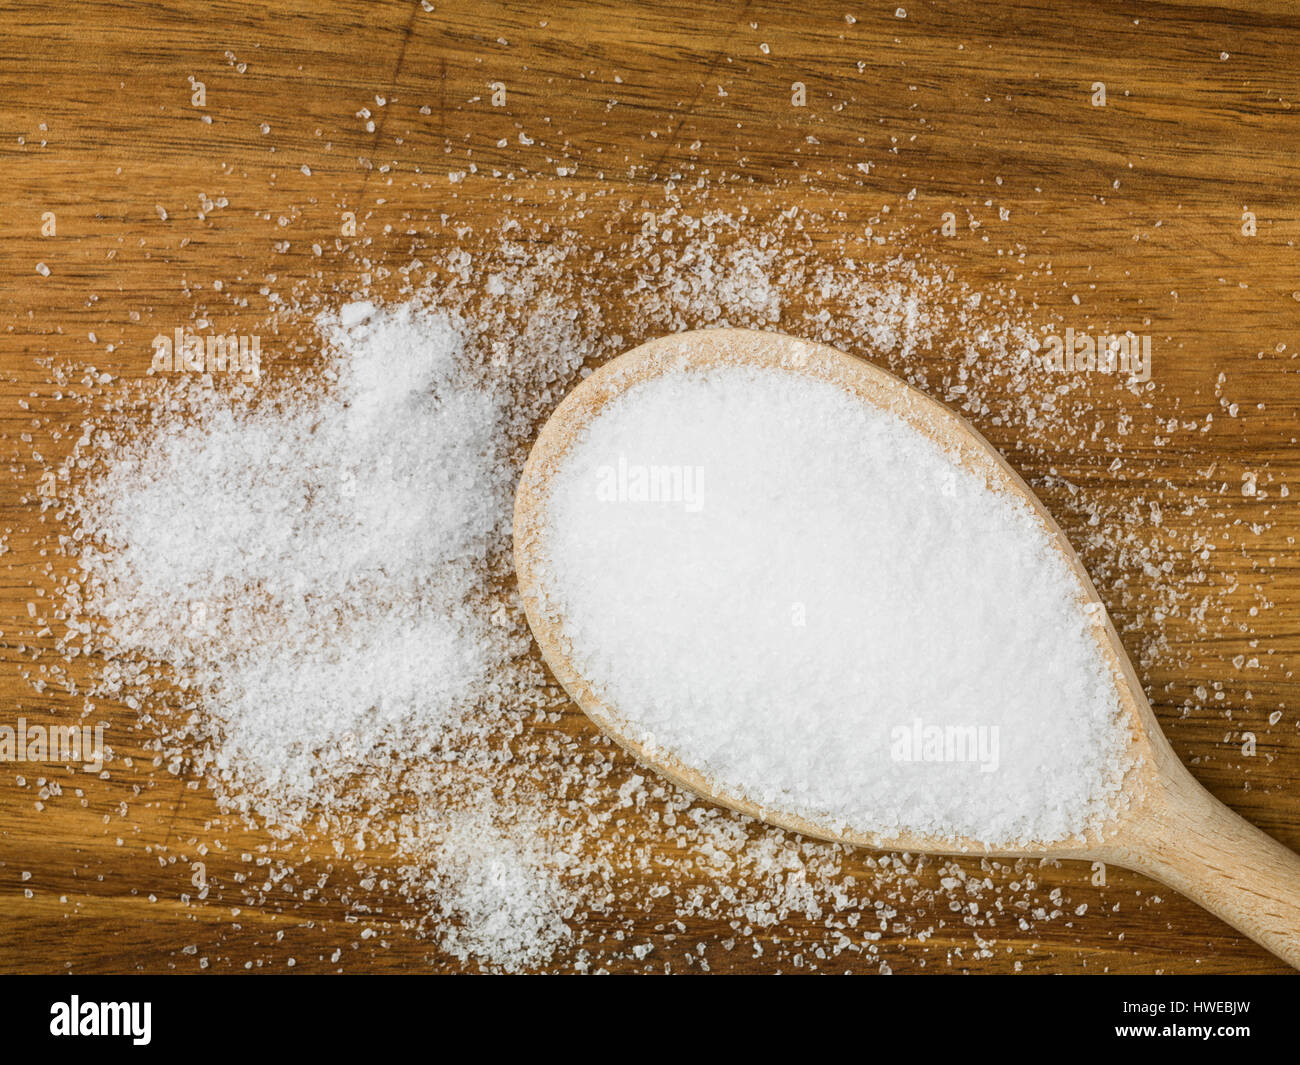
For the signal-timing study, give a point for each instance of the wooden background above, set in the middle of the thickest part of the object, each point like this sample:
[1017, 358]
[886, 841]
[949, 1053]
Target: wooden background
[1135, 209]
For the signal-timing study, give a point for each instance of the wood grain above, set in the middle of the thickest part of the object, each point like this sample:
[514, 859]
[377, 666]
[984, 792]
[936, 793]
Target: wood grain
[1124, 215]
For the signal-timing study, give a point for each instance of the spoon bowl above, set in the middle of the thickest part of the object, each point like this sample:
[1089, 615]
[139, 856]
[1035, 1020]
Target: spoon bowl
[1165, 825]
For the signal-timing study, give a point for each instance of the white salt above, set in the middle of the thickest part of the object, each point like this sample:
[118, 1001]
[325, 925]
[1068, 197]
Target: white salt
[499, 892]
[809, 601]
[313, 567]
[320, 570]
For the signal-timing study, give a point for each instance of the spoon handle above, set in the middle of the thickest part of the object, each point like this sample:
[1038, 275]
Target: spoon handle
[1195, 844]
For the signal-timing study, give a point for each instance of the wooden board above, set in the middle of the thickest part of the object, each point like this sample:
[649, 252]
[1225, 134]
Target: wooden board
[1132, 214]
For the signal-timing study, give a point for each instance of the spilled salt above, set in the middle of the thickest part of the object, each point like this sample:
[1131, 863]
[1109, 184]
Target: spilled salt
[320, 569]
[314, 568]
[808, 600]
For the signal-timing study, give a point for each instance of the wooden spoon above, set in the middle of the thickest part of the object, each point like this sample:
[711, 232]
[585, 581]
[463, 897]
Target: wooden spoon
[1169, 827]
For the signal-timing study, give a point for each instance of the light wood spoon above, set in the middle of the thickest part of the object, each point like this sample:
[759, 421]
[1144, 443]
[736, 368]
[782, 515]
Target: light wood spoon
[1170, 827]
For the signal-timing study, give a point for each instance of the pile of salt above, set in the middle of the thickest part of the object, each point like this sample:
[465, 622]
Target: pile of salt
[810, 601]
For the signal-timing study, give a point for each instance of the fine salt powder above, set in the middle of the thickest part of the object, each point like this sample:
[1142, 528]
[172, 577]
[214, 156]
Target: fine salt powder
[805, 598]
[244, 544]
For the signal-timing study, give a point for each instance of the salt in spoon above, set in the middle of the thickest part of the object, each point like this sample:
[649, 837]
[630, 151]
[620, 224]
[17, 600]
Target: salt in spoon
[1168, 827]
